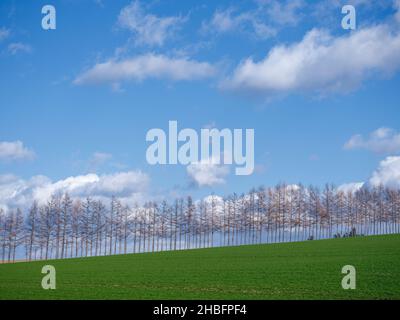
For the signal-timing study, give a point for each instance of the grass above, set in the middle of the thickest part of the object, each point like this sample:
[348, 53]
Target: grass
[303, 270]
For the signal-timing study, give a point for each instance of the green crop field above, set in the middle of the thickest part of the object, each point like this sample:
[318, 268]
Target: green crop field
[303, 270]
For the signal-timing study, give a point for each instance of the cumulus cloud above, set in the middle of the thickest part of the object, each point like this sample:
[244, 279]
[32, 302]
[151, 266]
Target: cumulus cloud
[148, 28]
[213, 202]
[207, 173]
[387, 174]
[16, 192]
[4, 33]
[17, 47]
[321, 63]
[130, 186]
[144, 67]
[382, 140]
[15, 150]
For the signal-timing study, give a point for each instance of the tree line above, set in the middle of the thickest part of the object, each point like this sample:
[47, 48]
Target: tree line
[65, 227]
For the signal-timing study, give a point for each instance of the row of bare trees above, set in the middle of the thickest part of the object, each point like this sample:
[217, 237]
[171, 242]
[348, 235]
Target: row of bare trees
[65, 228]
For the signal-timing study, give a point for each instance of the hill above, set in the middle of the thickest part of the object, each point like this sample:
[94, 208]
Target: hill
[301, 270]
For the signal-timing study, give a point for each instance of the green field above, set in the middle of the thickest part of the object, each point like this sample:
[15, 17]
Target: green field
[303, 270]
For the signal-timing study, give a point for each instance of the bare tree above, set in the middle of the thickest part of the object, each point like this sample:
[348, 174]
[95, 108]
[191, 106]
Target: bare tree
[63, 227]
[31, 228]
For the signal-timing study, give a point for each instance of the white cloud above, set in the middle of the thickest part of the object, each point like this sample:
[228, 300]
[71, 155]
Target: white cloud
[207, 173]
[15, 150]
[16, 192]
[382, 140]
[276, 13]
[4, 33]
[222, 21]
[129, 186]
[387, 174]
[321, 63]
[148, 28]
[396, 5]
[146, 66]
[99, 158]
[215, 203]
[17, 47]
[100, 3]
[228, 20]
[350, 187]
[284, 13]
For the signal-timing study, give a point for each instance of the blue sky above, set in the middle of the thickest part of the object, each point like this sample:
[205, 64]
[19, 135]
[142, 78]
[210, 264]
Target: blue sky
[74, 120]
